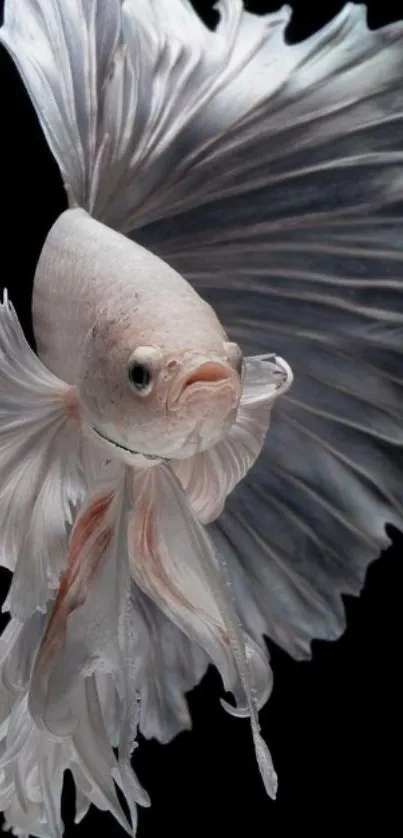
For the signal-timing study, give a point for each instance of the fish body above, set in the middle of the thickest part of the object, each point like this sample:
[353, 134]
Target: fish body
[181, 500]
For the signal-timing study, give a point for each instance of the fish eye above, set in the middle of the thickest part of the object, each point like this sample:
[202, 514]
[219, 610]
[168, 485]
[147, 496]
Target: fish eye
[139, 376]
[142, 368]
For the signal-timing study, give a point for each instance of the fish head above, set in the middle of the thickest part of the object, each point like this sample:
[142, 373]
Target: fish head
[165, 399]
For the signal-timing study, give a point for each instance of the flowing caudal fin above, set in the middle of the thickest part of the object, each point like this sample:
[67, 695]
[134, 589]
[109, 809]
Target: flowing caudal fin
[40, 476]
[291, 228]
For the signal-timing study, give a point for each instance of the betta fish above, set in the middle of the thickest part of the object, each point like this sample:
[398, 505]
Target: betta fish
[203, 452]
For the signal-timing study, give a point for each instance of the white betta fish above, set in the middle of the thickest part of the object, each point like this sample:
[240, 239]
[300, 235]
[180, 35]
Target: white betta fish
[143, 545]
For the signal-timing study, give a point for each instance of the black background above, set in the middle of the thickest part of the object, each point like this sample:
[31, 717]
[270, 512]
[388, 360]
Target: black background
[333, 724]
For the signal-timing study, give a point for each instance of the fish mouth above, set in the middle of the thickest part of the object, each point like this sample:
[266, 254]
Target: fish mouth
[209, 376]
[124, 448]
[208, 373]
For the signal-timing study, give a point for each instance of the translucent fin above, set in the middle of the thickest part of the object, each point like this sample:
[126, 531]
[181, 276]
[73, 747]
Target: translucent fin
[40, 479]
[209, 477]
[136, 144]
[80, 634]
[288, 218]
[65, 687]
[32, 767]
[174, 563]
[94, 755]
[32, 764]
[65, 53]
[116, 87]
[169, 664]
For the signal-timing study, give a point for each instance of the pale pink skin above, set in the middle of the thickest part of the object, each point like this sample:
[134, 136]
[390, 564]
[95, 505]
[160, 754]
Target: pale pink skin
[100, 300]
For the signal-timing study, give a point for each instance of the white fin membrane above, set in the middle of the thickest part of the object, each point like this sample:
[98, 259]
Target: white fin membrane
[169, 665]
[98, 626]
[40, 472]
[47, 469]
[67, 677]
[174, 562]
[32, 764]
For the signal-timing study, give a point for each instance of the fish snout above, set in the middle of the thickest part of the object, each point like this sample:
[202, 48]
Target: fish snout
[208, 373]
[208, 380]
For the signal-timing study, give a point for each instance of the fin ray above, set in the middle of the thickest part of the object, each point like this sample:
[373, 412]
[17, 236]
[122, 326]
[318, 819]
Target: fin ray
[41, 479]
